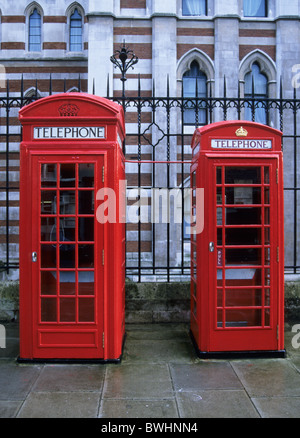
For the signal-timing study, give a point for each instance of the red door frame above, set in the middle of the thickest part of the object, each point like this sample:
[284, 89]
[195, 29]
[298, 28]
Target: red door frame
[50, 129]
[246, 338]
[78, 340]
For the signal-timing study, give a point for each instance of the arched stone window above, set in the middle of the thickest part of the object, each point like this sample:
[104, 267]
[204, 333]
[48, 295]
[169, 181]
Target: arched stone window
[195, 74]
[256, 86]
[258, 80]
[194, 83]
[76, 31]
[35, 31]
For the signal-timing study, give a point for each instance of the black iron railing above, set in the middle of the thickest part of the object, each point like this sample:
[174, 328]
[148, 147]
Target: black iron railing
[158, 155]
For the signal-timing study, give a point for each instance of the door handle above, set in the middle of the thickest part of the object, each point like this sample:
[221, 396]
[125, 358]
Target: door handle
[34, 257]
[211, 246]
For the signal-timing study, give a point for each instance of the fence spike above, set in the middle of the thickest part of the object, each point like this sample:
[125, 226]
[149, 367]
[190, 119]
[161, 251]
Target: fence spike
[139, 85]
[107, 85]
[168, 86]
[22, 89]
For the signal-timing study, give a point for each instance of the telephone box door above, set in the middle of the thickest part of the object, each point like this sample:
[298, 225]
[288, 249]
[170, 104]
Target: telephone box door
[244, 254]
[67, 270]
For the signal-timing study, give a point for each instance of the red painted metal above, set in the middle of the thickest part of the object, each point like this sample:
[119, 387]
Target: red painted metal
[237, 284]
[72, 263]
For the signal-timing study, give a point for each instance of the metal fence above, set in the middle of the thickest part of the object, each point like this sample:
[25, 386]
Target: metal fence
[158, 154]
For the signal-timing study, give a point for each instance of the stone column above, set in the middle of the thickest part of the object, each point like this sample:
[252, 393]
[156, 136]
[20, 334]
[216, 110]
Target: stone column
[164, 63]
[226, 47]
[288, 69]
[101, 20]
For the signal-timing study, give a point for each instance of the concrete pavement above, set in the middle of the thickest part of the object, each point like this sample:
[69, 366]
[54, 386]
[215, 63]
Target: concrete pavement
[160, 376]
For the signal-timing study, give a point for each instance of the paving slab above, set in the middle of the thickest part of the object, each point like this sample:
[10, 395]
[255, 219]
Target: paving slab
[9, 409]
[124, 408]
[70, 378]
[16, 380]
[204, 375]
[216, 404]
[268, 377]
[138, 382]
[60, 405]
[277, 407]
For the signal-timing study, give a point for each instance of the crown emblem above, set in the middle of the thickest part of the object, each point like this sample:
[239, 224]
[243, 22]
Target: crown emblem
[68, 110]
[241, 132]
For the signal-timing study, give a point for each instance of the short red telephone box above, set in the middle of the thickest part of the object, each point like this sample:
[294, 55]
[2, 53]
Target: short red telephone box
[237, 276]
[72, 256]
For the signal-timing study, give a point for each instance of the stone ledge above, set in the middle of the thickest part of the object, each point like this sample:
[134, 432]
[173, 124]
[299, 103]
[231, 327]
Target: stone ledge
[150, 302]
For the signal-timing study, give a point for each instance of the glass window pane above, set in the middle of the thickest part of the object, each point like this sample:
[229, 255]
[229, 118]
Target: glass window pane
[86, 175]
[67, 256]
[67, 310]
[35, 31]
[75, 32]
[48, 256]
[194, 82]
[67, 202]
[86, 229]
[67, 229]
[48, 282]
[86, 201]
[48, 175]
[234, 276]
[86, 283]
[48, 229]
[67, 283]
[246, 256]
[67, 175]
[48, 310]
[243, 317]
[243, 195]
[243, 216]
[242, 175]
[193, 7]
[86, 309]
[243, 297]
[255, 8]
[243, 236]
[85, 256]
[48, 202]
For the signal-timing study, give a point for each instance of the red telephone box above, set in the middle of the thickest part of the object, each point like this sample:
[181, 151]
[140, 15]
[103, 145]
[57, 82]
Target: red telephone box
[72, 256]
[237, 277]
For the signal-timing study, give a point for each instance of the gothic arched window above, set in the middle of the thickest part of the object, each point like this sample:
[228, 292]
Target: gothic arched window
[194, 83]
[76, 31]
[35, 32]
[256, 87]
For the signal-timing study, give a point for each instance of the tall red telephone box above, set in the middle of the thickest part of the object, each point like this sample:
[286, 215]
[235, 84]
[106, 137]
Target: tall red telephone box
[237, 260]
[72, 255]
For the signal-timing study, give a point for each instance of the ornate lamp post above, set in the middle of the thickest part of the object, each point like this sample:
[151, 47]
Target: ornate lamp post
[124, 59]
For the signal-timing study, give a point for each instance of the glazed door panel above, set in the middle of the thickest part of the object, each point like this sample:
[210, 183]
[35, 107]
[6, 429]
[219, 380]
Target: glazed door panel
[244, 247]
[67, 257]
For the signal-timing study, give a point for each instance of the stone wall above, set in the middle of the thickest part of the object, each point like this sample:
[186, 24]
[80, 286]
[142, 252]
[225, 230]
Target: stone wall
[151, 302]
